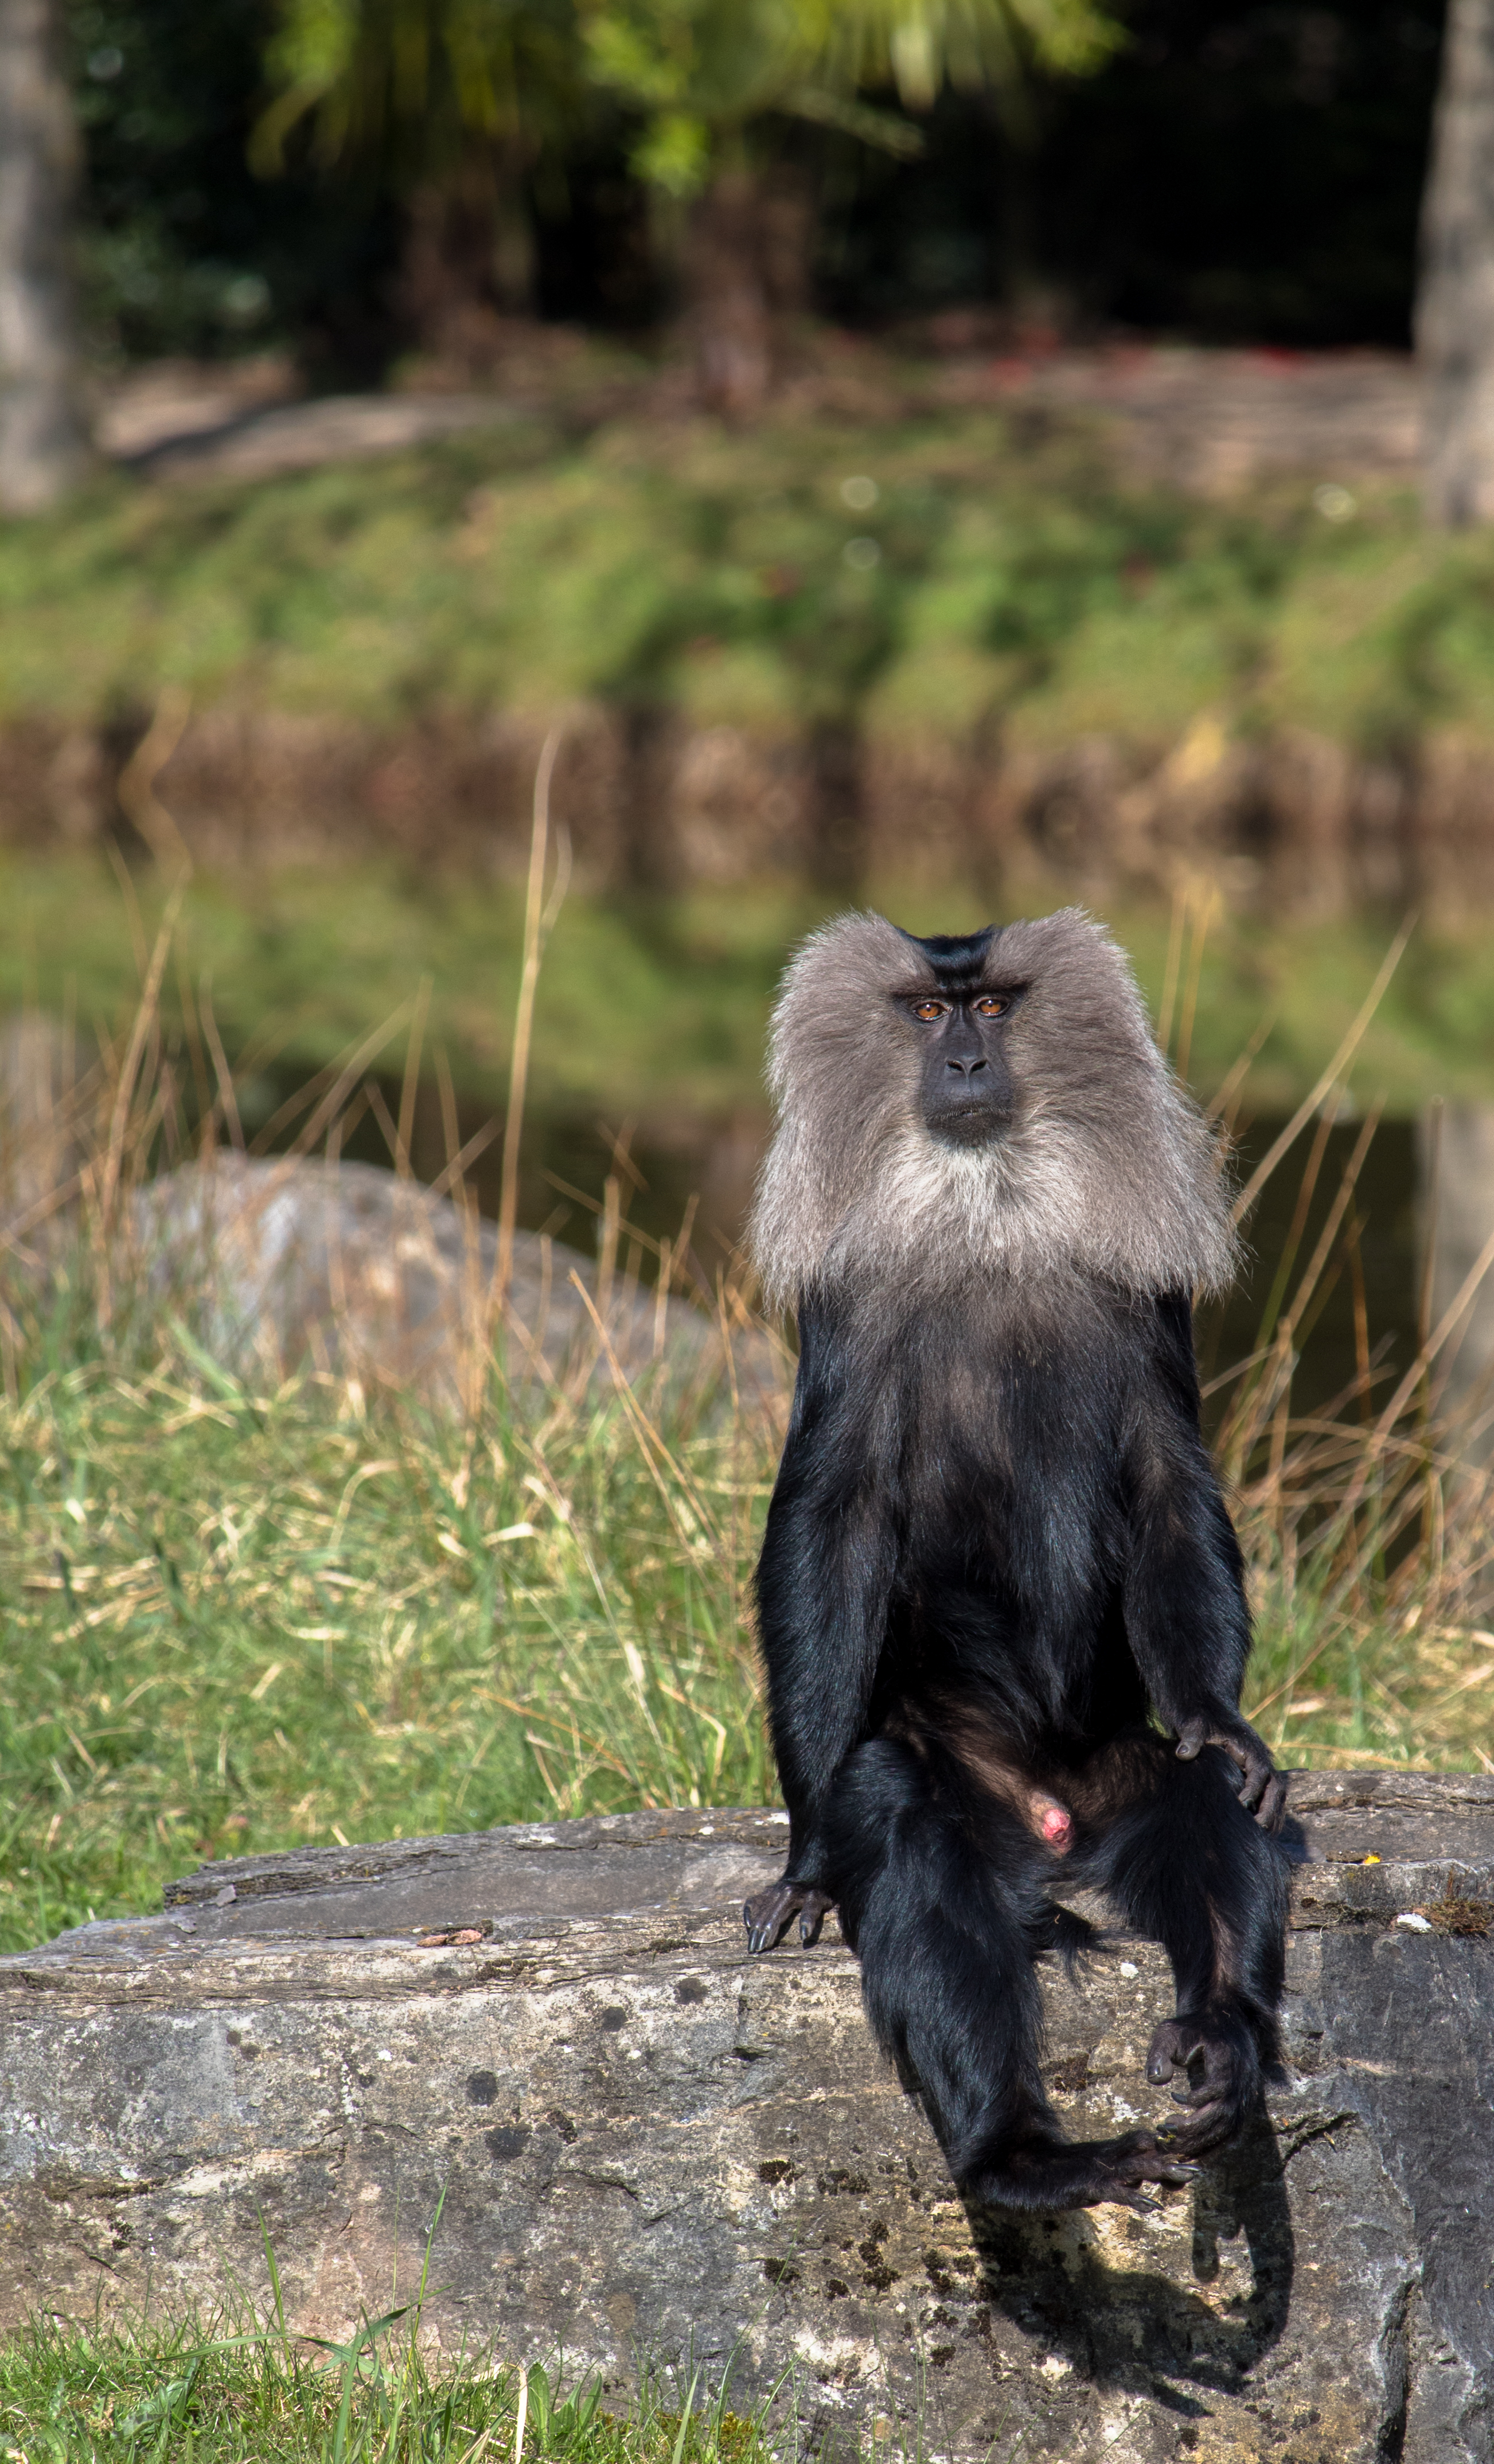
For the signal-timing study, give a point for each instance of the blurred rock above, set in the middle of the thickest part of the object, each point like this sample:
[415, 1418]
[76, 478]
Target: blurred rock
[171, 402]
[38, 1145]
[277, 1263]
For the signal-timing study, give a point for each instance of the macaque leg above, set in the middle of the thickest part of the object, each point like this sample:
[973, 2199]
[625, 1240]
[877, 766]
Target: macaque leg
[1192, 1868]
[946, 1925]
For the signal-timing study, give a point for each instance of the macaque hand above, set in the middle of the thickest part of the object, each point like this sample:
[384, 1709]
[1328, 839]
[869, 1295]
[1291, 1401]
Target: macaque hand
[1263, 1790]
[768, 1914]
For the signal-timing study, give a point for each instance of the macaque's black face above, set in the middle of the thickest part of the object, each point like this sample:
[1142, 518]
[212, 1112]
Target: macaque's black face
[966, 1085]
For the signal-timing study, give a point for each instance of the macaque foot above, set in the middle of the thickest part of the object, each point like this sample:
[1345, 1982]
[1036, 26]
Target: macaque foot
[1218, 2058]
[768, 1914]
[1090, 2173]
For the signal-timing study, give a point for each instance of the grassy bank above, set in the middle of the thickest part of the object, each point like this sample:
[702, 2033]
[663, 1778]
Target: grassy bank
[241, 1622]
[999, 566]
[244, 1619]
[660, 1009]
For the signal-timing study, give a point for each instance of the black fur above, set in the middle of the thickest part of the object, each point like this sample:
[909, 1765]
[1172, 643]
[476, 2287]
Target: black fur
[996, 1547]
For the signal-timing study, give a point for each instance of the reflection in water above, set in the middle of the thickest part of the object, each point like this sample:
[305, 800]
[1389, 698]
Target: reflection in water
[1369, 1290]
[1372, 1294]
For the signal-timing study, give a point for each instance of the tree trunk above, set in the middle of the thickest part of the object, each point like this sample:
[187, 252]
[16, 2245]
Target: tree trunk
[42, 440]
[1455, 301]
[469, 262]
[650, 848]
[747, 279]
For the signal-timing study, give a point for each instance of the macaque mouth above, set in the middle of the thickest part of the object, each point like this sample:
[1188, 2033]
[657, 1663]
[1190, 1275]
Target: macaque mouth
[973, 1123]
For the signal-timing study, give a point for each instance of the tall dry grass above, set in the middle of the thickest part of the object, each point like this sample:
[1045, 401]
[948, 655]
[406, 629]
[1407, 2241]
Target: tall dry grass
[1368, 1521]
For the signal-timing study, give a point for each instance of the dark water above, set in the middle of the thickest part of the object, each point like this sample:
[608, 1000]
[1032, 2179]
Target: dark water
[663, 1165]
[1373, 1265]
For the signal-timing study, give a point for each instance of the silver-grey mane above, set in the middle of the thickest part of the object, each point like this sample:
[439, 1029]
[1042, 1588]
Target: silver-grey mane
[1109, 1169]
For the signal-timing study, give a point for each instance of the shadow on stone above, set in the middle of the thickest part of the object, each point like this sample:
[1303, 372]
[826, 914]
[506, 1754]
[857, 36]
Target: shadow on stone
[1139, 2330]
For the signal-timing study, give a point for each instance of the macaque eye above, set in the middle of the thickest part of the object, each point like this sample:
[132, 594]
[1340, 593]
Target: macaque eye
[931, 1009]
[992, 1005]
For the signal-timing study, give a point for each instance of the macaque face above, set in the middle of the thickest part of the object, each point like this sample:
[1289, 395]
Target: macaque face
[965, 1086]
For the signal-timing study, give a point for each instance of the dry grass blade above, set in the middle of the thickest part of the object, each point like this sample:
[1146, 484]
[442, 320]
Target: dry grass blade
[136, 787]
[535, 925]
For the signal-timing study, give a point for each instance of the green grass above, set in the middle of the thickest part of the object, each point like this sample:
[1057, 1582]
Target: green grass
[240, 1621]
[1025, 592]
[233, 2389]
[244, 1621]
[660, 1009]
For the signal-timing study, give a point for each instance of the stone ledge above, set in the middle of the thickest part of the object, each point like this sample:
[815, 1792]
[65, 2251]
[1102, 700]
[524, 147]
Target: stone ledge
[647, 2143]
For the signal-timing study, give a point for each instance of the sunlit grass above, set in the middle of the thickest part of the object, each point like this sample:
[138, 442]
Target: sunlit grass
[249, 1616]
[1020, 571]
[242, 1622]
[235, 2389]
[1026, 590]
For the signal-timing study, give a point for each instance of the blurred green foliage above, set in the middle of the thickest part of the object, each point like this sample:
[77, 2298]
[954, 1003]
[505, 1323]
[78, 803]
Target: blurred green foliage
[1297, 138]
[948, 571]
[181, 248]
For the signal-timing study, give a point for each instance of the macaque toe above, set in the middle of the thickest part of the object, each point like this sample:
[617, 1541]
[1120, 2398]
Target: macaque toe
[768, 1914]
[1219, 2074]
[1144, 2157]
[1088, 2173]
[1174, 2046]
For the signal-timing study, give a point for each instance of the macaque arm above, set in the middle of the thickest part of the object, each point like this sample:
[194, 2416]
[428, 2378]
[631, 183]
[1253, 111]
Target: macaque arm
[1187, 1619]
[828, 1561]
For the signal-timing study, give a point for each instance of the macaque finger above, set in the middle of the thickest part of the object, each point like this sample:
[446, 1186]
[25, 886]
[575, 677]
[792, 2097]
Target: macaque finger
[1174, 2170]
[1257, 1780]
[1271, 1812]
